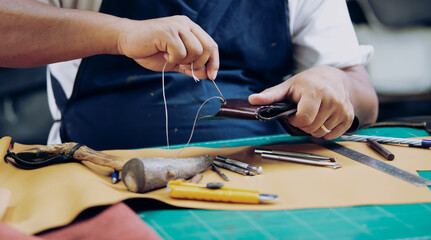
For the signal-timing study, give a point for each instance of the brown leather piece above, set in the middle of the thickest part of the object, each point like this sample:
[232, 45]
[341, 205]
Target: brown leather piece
[53, 196]
[240, 108]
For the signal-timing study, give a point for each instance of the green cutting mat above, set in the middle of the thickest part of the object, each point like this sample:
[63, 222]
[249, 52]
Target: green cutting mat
[410, 221]
[365, 222]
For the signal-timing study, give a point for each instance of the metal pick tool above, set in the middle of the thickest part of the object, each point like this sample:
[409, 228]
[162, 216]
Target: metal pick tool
[301, 160]
[237, 163]
[295, 154]
[233, 168]
[219, 172]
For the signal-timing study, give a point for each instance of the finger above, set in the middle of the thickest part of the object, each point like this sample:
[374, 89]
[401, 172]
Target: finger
[339, 130]
[193, 46]
[213, 63]
[210, 55]
[308, 108]
[269, 95]
[156, 62]
[176, 50]
[200, 73]
[326, 127]
[323, 117]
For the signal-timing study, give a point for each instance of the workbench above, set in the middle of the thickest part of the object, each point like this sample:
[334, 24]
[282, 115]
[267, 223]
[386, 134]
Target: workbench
[407, 221]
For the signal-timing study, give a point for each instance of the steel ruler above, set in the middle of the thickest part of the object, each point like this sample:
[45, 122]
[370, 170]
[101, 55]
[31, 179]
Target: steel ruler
[372, 162]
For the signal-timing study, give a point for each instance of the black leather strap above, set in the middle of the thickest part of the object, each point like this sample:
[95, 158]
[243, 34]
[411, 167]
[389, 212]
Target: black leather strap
[25, 164]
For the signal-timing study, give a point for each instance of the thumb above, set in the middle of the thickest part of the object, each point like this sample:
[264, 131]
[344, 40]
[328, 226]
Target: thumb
[269, 95]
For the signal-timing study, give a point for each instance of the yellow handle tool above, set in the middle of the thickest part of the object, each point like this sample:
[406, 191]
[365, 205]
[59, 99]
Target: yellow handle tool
[216, 192]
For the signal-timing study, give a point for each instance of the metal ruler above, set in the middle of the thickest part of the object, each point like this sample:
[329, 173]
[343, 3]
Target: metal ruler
[372, 162]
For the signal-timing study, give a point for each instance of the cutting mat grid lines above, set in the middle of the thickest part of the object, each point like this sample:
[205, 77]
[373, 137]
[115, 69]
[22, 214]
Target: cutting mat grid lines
[363, 222]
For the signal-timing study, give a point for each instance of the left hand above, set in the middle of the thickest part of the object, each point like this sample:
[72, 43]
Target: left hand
[323, 98]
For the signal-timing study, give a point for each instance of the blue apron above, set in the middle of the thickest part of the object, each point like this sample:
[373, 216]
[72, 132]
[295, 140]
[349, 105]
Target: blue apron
[117, 104]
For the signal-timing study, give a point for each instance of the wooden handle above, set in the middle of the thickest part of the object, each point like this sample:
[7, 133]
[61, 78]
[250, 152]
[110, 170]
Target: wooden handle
[83, 153]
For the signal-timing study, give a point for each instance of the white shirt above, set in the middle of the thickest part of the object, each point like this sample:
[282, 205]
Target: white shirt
[321, 33]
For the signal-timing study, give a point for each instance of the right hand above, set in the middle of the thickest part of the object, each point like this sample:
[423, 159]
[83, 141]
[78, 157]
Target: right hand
[176, 40]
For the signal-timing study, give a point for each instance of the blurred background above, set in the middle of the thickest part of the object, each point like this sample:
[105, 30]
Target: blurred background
[399, 30]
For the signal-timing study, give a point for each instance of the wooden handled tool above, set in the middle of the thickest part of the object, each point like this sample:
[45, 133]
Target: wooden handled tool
[61, 153]
[138, 174]
[145, 174]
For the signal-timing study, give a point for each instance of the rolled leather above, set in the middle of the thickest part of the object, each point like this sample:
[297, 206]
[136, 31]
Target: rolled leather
[240, 108]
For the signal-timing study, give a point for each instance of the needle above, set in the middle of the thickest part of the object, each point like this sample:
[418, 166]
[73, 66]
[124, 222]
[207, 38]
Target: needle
[197, 80]
[218, 89]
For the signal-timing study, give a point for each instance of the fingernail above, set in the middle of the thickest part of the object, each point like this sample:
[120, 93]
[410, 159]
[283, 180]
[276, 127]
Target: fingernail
[214, 75]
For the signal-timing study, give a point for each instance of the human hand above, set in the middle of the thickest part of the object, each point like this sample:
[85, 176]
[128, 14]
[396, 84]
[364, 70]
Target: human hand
[175, 40]
[323, 98]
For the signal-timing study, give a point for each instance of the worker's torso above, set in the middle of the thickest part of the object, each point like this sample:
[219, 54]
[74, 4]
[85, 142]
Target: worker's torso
[118, 104]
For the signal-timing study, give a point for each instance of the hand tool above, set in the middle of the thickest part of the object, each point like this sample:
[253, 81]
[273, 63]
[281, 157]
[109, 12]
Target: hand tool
[138, 174]
[219, 172]
[62, 153]
[372, 162]
[295, 154]
[414, 142]
[301, 160]
[145, 174]
[216, 192]
[114, 177]
[233, 168]
[240, 164]
[380, 149]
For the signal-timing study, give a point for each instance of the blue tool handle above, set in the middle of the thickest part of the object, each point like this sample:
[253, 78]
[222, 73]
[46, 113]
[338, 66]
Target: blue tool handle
[426, 143]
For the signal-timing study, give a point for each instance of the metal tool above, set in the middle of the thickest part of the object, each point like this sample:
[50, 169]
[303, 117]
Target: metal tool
[216, 192]
[237, 163]
[295, 154]
[219, 172]
[301, 160]
[372, 162]
[413, 142]
[380, 149]
[233, 168]
[218, 89]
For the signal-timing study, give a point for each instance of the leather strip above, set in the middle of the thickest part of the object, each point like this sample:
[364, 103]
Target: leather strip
[26, 164]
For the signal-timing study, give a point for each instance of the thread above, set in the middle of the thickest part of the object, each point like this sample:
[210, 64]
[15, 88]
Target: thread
[194, 123]
[197, 80]
[218, 90]
[197, 113]
[164, 102]
[193, 73]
